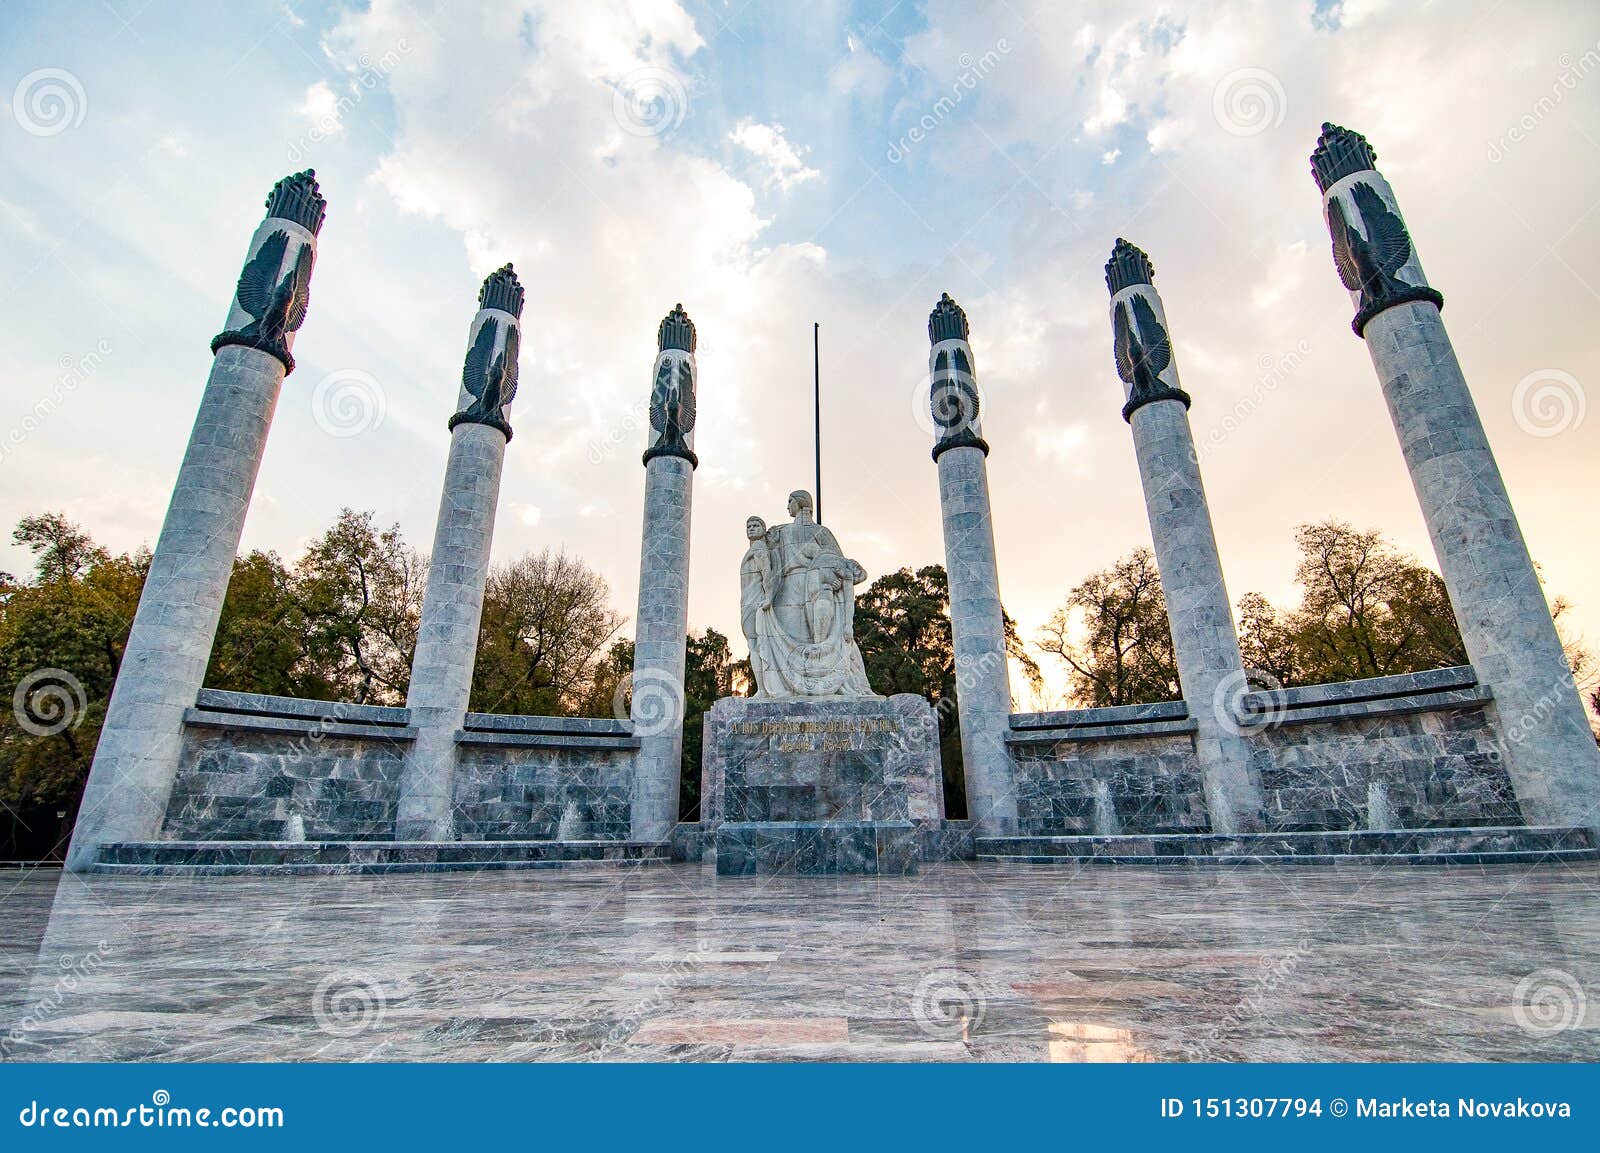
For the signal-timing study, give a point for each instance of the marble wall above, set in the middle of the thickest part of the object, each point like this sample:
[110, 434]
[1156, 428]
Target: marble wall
[1405, 752]
[245, 785]
[542, 794]
[276, 769]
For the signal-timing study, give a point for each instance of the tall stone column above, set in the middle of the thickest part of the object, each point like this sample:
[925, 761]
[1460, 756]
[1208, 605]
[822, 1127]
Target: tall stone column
[1204, 639]
[983, 682]
[1501, 609]
[452, 606]
[164, 664]
[663, 621]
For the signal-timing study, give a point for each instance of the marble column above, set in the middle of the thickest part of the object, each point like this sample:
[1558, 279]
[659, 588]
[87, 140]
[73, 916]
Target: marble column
[452, 607]
[661, 627]
[983, 682]
[164, 663]
[1204, 639]
[1505, 621]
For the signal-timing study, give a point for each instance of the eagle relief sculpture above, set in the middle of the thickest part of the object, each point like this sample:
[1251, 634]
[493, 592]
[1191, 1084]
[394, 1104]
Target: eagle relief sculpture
[275, 287]
[1143, 349]
[275, 297]
[489, 376]
[797, 604]
[1369, 264]
[672, 401]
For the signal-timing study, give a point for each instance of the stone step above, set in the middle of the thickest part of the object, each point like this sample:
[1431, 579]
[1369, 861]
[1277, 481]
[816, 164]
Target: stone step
[1503, 844]
[223, 858]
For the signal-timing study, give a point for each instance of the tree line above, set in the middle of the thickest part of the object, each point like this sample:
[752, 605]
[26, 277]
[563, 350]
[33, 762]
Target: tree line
[1366, 609]
[339, 623]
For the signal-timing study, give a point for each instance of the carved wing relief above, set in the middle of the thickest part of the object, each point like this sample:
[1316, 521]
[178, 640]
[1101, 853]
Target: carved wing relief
[298, 283]
[509, 369]
[1386, 232]
[475, 373]
[260, 276]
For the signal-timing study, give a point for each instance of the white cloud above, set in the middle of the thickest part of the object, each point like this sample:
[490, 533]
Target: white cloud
[321, 108]
[767, 143]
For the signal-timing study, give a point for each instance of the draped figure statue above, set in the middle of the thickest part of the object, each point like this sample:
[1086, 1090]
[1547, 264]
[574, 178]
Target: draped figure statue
[797, 602]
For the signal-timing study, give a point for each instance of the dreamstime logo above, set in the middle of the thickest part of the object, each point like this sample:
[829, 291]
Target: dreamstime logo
[1248, 102]
[649, 101]
[74, 371]
[1231, 703]
[972, 71]
[347, 1002]
[48, 101]
[1547, 1002]
[1548, 402]
[1275, 369]
[652, 698]
[635, 417]
[1572, 73]
[49, 701]
[369, 73]
[348, 402]
[75, 970]
[948, 1004]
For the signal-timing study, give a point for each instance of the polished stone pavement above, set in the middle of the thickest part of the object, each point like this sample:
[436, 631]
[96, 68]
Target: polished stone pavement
[960, 962]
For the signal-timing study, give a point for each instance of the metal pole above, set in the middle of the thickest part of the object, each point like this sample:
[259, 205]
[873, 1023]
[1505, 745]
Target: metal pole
[816, 396]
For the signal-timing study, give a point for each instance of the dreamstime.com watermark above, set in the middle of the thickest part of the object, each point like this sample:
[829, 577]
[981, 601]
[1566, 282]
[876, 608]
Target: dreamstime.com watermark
[370, 72]
[1573, 71]
[972, 71]
[1248, 101]
[1249, 701]
[348, 402]
[49, 101]
[1275, 970]
[160, 1113]
[74, 971]
[1547, 1002]
[75, 370]
[49, 701]
[649, 101]
[347, 1002]
[634, 417]
[1548, 402]
[1274, 371]
[652, 699]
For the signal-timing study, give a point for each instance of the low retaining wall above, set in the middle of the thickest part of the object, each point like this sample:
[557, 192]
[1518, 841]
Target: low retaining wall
[543, 779]
[1130, 769]
[1406, 752]
[1403, 752]
[263, 768]
[259, 768]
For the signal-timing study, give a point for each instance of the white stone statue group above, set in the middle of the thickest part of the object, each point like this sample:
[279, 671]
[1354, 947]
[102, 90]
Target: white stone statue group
[797, 603]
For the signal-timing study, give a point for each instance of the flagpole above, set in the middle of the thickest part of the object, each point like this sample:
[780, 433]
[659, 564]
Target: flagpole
[816, 396]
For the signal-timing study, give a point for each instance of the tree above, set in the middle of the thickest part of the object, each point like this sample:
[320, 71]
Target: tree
[546, 619]
[606, 695]
[707, 677]
[360, 591]
[1367, 610]
[62, 637]
[1267, 641]
[1112, 633]
[62, 551]
[263, 640]
[903, 631]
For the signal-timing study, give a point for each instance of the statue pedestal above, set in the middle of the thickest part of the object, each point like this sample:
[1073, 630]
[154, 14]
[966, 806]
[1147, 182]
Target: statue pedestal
[818, 785]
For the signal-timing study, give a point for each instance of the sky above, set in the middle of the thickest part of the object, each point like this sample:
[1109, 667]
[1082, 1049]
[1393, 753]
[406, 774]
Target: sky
[773, 165]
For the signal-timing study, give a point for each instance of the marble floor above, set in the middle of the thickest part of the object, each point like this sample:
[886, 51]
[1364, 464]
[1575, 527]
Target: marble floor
[960, 962]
